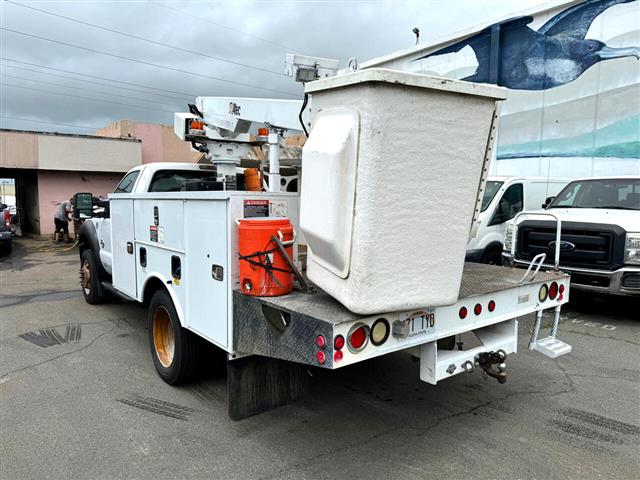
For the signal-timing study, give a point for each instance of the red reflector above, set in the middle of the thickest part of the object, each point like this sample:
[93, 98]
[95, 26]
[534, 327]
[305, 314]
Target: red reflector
[463, 312]
[263, 132]
[561, 289]
[492, 306]
[320, 341]
[358, 337]
[321, 358]
[338, 342]
[553, 291]
[337, 356]
[477, 309]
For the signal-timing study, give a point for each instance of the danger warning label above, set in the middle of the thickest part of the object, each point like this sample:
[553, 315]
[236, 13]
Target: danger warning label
[256, 208]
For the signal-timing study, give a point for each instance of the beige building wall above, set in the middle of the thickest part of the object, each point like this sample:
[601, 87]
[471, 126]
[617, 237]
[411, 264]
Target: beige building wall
[18, 150]
[87, 154]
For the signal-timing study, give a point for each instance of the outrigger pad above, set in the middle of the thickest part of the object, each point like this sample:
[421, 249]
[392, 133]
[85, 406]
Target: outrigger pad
[257, 384]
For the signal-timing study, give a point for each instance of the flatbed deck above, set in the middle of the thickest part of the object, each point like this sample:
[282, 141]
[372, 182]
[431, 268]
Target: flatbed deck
[477, 279]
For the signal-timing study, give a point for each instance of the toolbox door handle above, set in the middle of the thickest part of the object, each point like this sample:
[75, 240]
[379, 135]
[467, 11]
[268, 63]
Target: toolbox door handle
[130, 248]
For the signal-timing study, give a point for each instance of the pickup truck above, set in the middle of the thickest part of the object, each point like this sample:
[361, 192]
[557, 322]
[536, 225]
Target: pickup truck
[600, 241]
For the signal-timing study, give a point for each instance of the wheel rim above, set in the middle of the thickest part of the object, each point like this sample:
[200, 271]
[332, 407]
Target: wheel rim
[164, 338]
[85, 277]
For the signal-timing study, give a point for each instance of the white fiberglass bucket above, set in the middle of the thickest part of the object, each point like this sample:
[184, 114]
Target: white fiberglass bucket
[392, 174]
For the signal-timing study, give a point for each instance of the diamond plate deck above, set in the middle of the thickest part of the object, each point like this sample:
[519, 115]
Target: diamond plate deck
[477, 279]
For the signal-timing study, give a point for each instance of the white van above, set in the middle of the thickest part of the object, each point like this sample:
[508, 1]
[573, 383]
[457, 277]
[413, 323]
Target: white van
[503, 198]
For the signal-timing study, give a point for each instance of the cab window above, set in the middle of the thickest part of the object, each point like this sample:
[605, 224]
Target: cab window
[184, 180]
[509, 205]
[127, 183]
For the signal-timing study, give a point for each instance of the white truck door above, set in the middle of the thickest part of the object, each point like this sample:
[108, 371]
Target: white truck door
[123, 261]
[207, 275]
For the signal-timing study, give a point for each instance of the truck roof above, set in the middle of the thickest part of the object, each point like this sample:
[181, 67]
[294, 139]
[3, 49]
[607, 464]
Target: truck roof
[155, 166]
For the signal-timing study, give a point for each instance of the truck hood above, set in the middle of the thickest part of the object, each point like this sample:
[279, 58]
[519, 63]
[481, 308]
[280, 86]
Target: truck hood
[629, 220]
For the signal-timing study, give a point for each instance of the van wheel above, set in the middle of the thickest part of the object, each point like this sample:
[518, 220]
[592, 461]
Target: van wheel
[493, 256]
[89, 278]
[174, 350]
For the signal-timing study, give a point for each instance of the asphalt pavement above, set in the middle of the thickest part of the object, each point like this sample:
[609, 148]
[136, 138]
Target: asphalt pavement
[79, 398]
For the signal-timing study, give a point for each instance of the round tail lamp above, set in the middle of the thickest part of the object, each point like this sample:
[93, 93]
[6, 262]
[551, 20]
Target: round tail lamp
[358, 337]
[553, 291]
[463, 312]
[543, 293]
[477, 309]
[338, 342]
[491, 306]
[379, 332]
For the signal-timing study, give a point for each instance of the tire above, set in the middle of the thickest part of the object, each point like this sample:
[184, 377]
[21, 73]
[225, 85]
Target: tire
[493, 256]
[89, 281]
[175, 350]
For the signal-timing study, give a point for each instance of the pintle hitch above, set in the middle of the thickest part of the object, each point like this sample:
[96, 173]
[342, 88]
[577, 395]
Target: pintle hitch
[486, 361]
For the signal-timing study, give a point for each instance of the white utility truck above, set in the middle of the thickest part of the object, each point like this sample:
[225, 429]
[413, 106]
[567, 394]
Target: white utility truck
[504, 197]
[169, 239]
[600, 241]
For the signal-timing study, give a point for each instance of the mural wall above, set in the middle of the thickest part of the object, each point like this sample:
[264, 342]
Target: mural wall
[574, 78]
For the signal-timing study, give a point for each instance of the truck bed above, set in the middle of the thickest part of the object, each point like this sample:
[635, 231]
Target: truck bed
[286, 327]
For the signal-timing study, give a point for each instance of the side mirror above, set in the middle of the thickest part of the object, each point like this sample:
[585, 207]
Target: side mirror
[82, 206]
[547, 202]
[3, 206]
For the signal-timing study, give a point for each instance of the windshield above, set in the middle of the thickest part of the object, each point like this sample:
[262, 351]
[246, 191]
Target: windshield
[490, 191]
[622, 194]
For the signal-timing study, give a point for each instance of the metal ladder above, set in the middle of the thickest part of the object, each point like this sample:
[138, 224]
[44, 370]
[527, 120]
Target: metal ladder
[549, 346]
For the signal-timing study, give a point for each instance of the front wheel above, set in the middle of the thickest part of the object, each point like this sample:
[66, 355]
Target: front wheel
[89, 278]
[174, 350]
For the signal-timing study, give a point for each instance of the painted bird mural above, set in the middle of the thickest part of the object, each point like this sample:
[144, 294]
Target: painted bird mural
[556, 54]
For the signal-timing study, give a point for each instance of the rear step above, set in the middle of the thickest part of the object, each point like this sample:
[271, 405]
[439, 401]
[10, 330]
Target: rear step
[552, 347]
[549, 346]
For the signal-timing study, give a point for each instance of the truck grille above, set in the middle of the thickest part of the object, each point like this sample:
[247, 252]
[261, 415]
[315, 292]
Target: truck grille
[590, 246]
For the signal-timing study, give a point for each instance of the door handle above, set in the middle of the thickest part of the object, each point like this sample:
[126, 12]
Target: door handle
[130, 248]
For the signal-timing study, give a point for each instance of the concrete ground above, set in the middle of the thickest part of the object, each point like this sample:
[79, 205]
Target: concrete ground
[79, 398]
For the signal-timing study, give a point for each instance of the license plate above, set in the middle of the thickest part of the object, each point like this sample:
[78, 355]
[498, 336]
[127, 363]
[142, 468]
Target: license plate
[420, 322]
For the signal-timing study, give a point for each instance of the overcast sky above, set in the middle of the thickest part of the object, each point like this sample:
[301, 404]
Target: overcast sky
[255, 34]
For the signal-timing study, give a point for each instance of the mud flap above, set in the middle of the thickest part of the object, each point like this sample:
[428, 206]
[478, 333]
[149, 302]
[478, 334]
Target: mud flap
[257, 384]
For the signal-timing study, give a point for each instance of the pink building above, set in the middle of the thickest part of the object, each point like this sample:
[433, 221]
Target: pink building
[159, 142]
[50, 167]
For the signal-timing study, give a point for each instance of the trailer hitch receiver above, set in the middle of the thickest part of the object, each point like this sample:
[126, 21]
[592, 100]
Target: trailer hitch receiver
[487, 360]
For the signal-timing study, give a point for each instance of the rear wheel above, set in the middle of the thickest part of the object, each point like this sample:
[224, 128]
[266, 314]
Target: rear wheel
[493, 256]
[89, 278]
[175, 350]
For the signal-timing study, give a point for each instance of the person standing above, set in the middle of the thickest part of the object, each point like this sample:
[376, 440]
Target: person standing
[61, 219]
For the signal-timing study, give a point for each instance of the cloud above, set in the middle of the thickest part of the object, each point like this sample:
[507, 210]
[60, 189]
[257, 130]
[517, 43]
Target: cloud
[254, 33]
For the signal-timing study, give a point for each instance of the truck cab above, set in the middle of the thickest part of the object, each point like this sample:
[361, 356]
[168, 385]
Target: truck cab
[504, 198]
[600, 241]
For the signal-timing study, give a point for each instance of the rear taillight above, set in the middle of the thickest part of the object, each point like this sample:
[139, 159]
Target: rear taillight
[553, 291]
[320, 357]
[491, 306]
[463, 312]
[320, 341]
[379, 332]
[477, 309]
[543, 293]
[7, 219]
[337, 357]
[338, 342]
[358, 337]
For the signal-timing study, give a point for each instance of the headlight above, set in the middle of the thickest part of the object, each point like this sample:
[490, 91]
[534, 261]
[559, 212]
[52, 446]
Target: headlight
[632, 249]
[509, 236]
